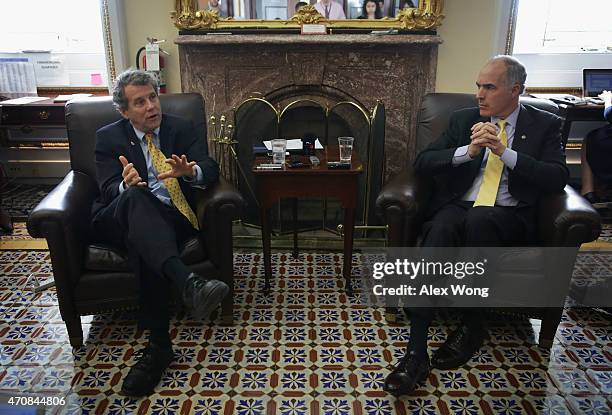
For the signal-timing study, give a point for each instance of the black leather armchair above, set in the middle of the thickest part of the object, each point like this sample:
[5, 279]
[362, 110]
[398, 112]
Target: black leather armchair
[564, 220]
[94, 278]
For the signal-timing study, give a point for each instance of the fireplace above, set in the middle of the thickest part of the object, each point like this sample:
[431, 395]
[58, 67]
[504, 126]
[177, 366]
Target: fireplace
[395, 70]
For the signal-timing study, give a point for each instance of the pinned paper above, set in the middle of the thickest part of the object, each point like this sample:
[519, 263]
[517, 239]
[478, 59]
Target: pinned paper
[152, 50]
[50, 70]
[96, 79]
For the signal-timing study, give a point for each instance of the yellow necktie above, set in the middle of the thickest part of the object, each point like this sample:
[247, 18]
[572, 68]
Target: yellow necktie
[171, 183]
[492, 174]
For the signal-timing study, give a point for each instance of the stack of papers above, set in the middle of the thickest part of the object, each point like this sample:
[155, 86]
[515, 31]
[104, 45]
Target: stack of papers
[66, 98]
[293, 144]
[561, 98]
[23, 100]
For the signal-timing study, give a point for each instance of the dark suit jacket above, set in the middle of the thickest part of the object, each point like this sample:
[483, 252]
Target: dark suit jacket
[540, 166]
[176, 137]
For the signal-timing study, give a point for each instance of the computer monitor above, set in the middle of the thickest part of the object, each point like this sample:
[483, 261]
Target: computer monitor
[594, 81]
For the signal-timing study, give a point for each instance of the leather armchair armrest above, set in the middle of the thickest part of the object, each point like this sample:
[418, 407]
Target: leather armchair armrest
[68, 204]
[218, 205]
[567, 219]
[402, 204]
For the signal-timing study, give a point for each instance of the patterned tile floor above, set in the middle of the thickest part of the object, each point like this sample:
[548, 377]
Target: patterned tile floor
[307, 348]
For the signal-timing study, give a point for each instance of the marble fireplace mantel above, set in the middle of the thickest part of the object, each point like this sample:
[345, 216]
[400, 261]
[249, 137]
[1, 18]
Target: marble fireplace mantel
[394, 69]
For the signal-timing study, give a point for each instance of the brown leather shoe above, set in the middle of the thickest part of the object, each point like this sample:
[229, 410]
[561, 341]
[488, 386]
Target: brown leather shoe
[409, 372]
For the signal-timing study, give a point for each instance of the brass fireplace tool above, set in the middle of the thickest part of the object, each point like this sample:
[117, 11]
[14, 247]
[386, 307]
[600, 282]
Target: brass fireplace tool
[223, 150]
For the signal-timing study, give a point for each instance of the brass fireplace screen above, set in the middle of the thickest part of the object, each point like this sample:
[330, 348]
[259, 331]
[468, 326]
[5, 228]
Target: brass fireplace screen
[257, 119]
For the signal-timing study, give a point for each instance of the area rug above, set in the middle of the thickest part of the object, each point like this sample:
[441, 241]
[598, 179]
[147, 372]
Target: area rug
[19, 199]
[306, 348]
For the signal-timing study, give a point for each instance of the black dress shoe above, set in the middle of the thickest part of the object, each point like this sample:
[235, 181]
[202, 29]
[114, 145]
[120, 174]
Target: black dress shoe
[202, 296]
[591, 197]
[409, 372]
[147, 372]
[459, 348]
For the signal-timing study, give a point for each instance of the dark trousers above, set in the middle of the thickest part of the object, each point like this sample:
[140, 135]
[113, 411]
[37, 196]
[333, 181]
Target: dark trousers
[151, 232]
[460, 224]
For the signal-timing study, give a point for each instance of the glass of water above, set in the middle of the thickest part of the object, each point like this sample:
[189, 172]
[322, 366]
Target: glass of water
[279, 147]
[346, 148]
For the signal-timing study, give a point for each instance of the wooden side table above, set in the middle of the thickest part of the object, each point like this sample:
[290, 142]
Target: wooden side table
[310, 181]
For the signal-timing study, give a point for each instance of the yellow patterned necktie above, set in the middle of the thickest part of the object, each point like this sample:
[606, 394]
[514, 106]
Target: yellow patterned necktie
[492, 174]
[171, 183]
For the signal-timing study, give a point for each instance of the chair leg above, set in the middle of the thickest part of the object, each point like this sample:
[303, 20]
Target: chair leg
[550, 322]
[75, 331]
[227, 310]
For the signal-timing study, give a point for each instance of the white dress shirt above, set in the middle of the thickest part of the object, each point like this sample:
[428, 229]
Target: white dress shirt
[508, 157]
[158, 188]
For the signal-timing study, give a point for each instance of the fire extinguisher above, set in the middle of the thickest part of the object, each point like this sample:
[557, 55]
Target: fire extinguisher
[155, 52]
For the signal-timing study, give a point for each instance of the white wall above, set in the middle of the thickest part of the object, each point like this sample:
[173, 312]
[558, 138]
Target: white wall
[146, 18]
[470, 33]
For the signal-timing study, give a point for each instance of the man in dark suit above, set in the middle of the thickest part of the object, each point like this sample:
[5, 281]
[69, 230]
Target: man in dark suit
[490, 166]
[146, 165]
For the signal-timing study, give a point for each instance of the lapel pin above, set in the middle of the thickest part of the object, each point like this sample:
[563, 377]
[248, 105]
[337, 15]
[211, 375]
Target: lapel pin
[132, 143]
[523, 137]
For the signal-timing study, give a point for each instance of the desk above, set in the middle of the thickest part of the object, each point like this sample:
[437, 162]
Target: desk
[572, 113]
[273, 185]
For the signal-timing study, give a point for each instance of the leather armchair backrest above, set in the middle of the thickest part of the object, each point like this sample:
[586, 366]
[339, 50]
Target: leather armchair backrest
[436, 110]
[85, 116]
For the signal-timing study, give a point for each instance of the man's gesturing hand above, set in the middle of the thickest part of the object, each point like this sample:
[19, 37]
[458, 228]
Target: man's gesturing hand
[484, 134]
[180, 167]
[130, 174]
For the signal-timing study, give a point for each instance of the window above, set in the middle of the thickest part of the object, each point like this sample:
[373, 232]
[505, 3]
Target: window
[563, 26]
[62, 38]
[557, 38]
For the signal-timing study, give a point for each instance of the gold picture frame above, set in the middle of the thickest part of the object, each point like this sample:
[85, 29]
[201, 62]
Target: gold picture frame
[428, 16]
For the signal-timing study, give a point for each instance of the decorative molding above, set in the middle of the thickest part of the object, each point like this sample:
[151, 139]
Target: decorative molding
[307, 15]
[196, 20]
[115, 38]
[511, 28]
[108, 43]
[428, 16]
[67, 90]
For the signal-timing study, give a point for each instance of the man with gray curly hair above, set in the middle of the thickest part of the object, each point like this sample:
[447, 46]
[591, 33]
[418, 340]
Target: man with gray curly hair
[146, 165]
[490, 167]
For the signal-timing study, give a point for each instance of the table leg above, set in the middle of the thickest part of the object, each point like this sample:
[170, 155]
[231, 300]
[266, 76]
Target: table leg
[265, 239]
[349, 226]
[294, 203]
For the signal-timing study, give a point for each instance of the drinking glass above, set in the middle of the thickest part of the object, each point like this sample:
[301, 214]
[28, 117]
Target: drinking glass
[346, 148]
[279, 147]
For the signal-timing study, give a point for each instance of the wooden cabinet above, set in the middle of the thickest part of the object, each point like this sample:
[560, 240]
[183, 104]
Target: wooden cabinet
[34, 141]
[36, 114]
